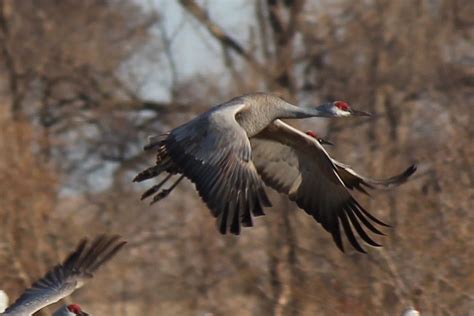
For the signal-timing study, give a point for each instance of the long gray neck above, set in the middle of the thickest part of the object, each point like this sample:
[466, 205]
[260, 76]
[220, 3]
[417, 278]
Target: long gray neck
[264, 109]
[287, 110]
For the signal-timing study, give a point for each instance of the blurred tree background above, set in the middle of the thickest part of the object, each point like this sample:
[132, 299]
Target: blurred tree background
[83, 83]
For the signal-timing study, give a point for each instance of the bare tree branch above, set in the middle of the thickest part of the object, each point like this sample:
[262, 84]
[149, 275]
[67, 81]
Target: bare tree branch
[226, 40]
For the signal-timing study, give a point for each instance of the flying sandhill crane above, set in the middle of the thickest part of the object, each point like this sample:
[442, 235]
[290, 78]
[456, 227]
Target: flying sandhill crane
[65, 278]
[228, 151]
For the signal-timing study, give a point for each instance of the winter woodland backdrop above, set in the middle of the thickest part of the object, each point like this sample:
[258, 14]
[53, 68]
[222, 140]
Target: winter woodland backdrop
[83, 83]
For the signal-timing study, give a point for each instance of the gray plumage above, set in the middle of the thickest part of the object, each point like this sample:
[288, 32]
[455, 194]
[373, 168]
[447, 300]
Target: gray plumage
[65, 278]
[231, 151]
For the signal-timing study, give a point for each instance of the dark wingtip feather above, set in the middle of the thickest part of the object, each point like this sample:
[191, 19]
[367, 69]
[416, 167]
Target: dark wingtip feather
[398, 179]
[151, 172]
[355, 223]
[112, 248]
[222, 221]
[339, 244]
[412, 169]
[89, 256]
[349, 234]
[257, 207]
[370, 216]
[365, 221]
[246, 217]
[407, 173]
[74, 256]
[148, 192]
[235, 220]
[336, 235]
[142, 176]
[139, 177]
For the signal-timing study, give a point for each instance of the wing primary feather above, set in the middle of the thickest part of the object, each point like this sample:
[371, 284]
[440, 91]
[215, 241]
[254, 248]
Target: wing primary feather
[247, 205]
[235, 226]
[385, 183]
[336, 235]
[155, 188]
[95, 254]
[78, 260]
[221, 193]
[355, 223]
[366, 222]
[222, 221]
[165, 192]
[349, 234]
[252, 203]
[257, 210]
[370, 216]
[109, 255]
[210, 184]
[396, 180]
[219, 205]
[244, 200]
[233, 202]
[91, 252]
[149, 173]
[72, 258]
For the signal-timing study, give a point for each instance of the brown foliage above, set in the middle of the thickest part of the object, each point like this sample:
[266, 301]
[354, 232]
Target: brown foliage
[28, 192]
[72, 118]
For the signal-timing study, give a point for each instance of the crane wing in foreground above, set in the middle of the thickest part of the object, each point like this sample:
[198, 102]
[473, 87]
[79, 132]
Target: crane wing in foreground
[65, 278]
[296, 164]
[214, 152]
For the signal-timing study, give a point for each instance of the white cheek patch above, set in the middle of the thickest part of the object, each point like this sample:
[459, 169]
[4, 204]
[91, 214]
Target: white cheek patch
[340, 112]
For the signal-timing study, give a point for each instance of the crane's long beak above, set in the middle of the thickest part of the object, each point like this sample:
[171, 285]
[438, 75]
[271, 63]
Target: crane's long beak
[359, 113]
[83, 314]
[323, 141]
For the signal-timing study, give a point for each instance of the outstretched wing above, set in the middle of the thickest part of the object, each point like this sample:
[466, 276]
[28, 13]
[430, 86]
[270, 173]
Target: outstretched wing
[65, 278]
[297, 165]
[214, 152]
[353, 180]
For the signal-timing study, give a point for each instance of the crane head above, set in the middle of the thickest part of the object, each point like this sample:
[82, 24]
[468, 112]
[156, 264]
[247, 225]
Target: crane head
[341, 108]
[75, 309]
[322, 141]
